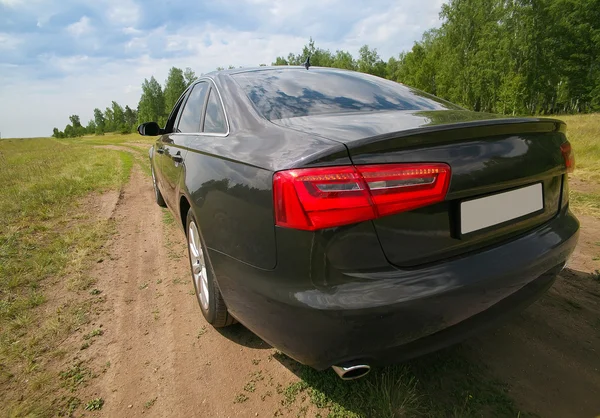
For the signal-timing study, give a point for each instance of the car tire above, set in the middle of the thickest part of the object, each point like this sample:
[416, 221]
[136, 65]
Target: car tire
[208, 294]
[157, 194]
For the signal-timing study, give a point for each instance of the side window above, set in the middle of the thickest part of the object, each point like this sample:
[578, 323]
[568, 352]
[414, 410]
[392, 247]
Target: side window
[214, 120]
[191, 115]
[173, 116]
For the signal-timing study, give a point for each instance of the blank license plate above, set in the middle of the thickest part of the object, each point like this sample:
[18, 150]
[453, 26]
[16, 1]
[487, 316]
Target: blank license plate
[487, 211]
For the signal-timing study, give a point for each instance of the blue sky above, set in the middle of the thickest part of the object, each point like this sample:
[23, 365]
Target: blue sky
[60, 57]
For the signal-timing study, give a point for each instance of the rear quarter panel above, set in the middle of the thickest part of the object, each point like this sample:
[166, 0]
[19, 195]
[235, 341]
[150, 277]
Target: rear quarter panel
[232, 202]
[229, 181]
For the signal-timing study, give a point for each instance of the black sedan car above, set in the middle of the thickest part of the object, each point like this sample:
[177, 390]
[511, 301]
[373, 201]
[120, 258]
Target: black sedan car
[349, 220]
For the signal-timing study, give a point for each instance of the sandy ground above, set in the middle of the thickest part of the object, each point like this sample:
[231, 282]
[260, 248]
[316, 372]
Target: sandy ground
[550, 354]
[165, 360]
[158, 357]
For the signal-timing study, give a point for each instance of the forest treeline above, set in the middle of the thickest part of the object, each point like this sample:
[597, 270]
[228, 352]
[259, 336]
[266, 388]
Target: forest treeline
[155, 103]
[515, 57]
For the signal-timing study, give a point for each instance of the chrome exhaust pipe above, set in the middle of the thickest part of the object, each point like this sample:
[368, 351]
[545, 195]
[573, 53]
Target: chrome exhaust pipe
[351, 372]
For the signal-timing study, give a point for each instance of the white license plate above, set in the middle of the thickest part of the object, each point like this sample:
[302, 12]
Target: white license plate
[492, 210]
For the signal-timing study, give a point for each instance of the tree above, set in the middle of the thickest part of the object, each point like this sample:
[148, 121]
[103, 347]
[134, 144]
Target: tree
[70, 131]
[369, 62]
[91, 127]
[118, 115]
[151, 107]
[280, 61]
[130, 117]
[343, 59]
[78, 130]
[99, 121]
[75, 121]
[189, 76]
[109, 120]
[125, 129]
[174, 88]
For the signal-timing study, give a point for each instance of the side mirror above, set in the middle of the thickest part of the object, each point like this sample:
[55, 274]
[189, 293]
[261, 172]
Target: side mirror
[149, 129]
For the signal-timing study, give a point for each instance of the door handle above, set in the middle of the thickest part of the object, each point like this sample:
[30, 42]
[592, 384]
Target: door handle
[177, 157]
[160, 150]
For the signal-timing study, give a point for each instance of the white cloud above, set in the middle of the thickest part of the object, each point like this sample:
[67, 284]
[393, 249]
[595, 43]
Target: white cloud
[122, 12]
[8, 41]
[11, 3]
[131, 31]
[81, 27]
[397, 28]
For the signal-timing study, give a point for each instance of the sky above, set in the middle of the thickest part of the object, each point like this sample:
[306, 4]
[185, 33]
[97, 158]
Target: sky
[64, 57]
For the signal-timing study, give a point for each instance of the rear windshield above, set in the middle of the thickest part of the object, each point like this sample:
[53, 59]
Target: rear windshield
[288, 93]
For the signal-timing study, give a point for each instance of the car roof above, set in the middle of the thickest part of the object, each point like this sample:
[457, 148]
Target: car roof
[271, 68]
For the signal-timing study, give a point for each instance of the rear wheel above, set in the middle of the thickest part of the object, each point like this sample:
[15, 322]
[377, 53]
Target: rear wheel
[209, 297]
[157, 195]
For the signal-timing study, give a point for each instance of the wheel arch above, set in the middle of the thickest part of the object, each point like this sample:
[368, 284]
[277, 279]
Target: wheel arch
[184, 207]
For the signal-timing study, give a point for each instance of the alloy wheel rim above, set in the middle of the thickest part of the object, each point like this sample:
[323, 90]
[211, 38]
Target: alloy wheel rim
[198, 265]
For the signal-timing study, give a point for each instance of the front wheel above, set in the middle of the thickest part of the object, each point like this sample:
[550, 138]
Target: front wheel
[209, 297]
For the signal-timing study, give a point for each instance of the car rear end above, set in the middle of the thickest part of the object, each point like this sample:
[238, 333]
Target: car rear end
[429, 234]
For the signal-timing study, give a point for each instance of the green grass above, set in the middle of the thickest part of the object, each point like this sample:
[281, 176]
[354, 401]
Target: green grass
[112, 139]
[445, 384]
[586, 202]
[149, 404]
[583, 131]
[46, 240]
[94, 404]
[94, 333]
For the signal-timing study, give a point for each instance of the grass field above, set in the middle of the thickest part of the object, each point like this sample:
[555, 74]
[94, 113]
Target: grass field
[48, 241]
[583, 132]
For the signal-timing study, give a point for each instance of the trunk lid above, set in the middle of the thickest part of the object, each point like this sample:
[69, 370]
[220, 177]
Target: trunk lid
[488, 155]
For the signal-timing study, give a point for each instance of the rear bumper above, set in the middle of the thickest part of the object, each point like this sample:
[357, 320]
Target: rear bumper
[392, 315]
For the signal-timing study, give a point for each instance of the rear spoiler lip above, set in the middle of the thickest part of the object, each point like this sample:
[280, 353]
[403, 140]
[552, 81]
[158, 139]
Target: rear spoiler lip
[465, 131]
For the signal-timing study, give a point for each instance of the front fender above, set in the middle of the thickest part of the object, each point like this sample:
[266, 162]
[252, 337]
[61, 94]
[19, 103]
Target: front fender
[151, 152]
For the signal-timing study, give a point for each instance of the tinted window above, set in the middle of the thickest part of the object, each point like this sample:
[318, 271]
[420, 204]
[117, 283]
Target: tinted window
[189, 121]
[175, 113]
[288, 93]
[214, 121]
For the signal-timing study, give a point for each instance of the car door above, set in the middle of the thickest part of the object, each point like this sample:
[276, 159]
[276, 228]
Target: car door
[162, 142]
[188, 122]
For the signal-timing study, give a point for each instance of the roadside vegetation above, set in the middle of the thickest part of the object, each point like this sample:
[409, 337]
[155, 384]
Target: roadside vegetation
[48, 240]
[583, 132]
[445, 384]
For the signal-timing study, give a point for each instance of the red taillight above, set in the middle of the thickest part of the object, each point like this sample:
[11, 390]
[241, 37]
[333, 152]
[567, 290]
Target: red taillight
[317, 198]
[569, 156]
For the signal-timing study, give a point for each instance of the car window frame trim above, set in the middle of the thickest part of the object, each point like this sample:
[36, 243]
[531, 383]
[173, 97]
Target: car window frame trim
[222, 135]
[203, 124]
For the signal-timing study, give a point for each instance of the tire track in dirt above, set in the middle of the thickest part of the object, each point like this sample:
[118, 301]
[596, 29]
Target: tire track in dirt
[165, 360]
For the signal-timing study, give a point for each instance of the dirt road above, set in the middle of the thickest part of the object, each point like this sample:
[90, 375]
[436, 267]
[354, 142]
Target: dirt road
[165, 360]
[158, 357]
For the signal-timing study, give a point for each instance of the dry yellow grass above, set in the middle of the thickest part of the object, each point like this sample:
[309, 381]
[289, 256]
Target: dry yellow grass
[583, 132]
